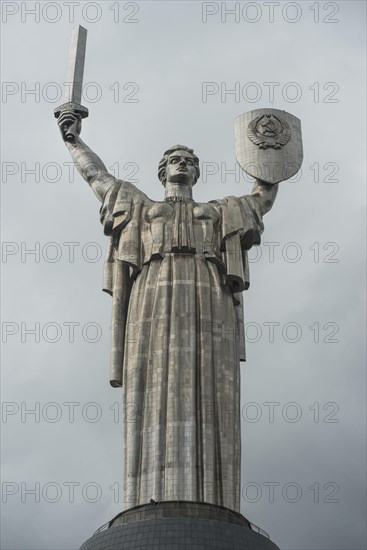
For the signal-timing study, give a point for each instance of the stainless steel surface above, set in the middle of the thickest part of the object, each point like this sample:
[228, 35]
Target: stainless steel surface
[76, 65]
[74, 82]
[176, 270]
[269, 144]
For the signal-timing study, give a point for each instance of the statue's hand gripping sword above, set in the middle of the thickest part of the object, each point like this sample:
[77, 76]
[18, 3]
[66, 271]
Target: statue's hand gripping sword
[73, 94]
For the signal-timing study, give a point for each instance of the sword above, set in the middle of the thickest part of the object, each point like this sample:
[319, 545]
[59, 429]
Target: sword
[73, 94]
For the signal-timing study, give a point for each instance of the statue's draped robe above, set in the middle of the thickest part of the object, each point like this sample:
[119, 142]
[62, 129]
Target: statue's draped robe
[176, 271]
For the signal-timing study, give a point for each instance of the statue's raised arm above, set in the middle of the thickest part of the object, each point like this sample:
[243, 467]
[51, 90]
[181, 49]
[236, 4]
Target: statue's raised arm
[268, 148]
[264, 194]
[88, 163]
[69, 117]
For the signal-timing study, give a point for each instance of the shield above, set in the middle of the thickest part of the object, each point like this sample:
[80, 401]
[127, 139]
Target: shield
[269, 144]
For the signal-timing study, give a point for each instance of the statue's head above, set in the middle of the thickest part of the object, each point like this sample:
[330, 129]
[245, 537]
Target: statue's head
[180, 165]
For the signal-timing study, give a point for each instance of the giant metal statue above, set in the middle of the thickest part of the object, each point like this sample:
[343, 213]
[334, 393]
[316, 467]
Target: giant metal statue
[176, 270]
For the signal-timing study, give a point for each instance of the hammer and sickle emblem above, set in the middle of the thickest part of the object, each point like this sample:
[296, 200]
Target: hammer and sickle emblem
[268, 127]
[269, 132]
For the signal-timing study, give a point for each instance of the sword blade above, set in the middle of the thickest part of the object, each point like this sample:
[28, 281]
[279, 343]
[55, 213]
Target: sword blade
[78, 45]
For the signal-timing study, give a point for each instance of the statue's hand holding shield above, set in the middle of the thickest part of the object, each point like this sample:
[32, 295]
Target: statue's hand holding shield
[269, 144]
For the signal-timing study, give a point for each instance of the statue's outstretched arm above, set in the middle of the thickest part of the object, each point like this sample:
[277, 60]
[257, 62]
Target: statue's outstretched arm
[264, 194]
[88, 164]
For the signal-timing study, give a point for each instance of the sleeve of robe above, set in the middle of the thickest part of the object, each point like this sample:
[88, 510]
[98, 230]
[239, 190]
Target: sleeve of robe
[120, 216]
[241, 228]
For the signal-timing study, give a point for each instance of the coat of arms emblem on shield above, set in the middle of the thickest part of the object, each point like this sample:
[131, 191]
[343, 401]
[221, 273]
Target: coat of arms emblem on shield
[269, 144]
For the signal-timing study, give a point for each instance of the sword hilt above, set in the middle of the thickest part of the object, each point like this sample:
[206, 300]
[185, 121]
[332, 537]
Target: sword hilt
[78, 109]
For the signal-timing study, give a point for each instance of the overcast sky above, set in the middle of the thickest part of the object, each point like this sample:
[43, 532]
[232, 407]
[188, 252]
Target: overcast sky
[157, 74]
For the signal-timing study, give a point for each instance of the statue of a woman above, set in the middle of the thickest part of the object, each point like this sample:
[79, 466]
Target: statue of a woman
[176, 270]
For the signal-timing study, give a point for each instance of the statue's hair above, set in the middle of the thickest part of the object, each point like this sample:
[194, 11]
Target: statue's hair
[163, 162]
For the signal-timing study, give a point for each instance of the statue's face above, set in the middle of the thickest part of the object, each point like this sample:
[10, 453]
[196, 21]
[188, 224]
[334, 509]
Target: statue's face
[181, 168]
